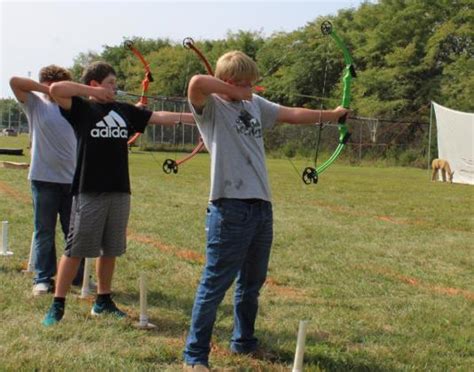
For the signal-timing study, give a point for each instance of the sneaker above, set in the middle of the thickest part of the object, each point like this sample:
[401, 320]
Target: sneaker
[107, 307]
[40, 289]
[195, 368]
[54, 314]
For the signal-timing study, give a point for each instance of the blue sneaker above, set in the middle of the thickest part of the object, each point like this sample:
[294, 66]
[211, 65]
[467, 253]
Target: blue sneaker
[54, 314]
[107, 307]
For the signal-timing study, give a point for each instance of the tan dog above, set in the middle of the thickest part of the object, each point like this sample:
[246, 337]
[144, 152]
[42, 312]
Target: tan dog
[443, 166]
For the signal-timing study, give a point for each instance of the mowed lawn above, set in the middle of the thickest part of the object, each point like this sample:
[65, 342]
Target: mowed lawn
[379, 260]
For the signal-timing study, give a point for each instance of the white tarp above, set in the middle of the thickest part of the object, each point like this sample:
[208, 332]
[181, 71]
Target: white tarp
[456, 141]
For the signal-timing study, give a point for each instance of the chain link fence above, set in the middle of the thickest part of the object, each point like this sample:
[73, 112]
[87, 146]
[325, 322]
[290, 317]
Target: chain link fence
[372, 139]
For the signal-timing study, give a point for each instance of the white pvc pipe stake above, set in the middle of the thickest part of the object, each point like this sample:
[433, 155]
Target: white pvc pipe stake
[4, 251]
[29, 267]
[300, 343]
[143, 301]
[85, 290]
[143, 322]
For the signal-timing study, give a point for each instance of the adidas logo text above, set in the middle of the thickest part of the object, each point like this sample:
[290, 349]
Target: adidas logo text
[111, 126]
[109, 133]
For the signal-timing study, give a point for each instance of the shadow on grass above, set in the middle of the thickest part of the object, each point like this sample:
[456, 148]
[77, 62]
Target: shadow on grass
[175, 304]
[317, 355]
[317, 358]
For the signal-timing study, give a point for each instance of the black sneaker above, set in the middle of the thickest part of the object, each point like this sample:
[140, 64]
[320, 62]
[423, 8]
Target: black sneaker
[54, 314]
[107, 307]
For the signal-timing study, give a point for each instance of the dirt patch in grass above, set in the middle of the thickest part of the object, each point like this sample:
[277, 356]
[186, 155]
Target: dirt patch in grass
[449, 291]
[194, 257]
[13, 193]
[393, 220]
[185, 254]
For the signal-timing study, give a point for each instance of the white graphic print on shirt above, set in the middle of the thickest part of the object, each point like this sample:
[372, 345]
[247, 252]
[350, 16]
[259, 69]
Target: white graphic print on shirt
[111, 126]
[248, 125]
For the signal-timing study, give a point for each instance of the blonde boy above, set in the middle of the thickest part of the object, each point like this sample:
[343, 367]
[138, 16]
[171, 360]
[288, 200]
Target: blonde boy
[239, 224]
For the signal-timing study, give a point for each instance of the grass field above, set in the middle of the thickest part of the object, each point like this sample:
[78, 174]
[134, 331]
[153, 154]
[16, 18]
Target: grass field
[379, 260]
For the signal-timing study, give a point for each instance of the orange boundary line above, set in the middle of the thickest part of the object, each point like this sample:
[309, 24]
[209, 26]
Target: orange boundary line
[195, 257]
[449, 291]
[13, 193]
[393, 220]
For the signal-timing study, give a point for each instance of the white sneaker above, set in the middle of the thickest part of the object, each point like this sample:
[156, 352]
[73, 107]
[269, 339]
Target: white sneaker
[41, 289]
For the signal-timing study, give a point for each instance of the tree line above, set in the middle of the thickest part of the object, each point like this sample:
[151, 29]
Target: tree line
[406, 52]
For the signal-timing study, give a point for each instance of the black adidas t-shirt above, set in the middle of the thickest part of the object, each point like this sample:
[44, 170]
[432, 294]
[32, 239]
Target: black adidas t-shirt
[102, 132]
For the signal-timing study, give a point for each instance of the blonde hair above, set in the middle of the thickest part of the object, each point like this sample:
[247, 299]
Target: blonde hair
[236, 65]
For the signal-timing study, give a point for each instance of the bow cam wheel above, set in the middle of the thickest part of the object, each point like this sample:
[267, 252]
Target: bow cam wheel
[188, 42]
[169, 165]
[309, 176]
[326, 27]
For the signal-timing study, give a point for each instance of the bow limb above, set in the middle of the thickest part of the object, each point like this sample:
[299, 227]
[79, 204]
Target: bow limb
[310, 175]
[170, 165]
[189, 44]
[144, 84]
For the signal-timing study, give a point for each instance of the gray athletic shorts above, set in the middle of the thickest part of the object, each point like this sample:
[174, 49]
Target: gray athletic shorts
[98, 225]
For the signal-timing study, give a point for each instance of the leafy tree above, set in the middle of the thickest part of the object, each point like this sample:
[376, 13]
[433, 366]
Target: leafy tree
[406, 53]
[81, 61]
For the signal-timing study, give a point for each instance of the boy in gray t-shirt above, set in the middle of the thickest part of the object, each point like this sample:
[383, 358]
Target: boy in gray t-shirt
[53, 161]
[239, 215]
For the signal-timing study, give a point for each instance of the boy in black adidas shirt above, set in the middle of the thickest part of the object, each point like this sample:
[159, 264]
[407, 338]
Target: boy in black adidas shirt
[101, 185]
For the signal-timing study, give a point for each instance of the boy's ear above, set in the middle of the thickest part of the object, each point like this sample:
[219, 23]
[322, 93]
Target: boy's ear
[94, 83]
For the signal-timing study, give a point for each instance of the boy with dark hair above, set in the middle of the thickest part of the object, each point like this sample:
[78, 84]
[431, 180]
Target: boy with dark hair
[101, 185]
[239, 216]
[53, 160]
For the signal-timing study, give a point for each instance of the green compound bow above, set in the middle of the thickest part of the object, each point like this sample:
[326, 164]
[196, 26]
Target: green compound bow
[311, 174]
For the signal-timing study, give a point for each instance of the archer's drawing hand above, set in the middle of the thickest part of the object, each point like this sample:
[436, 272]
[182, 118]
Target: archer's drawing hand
[104, 95]
[243, 93]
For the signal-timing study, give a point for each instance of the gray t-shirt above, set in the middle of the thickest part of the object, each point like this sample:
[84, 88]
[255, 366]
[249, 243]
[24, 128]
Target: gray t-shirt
[53, 142]
[233, 135]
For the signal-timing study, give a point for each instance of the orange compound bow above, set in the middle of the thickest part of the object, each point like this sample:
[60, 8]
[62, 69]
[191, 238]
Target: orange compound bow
[145, 82]
[170, 165]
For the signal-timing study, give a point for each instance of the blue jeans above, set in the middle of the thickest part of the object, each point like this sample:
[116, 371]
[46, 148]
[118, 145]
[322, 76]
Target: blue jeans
[49, 200]
[239, 239]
